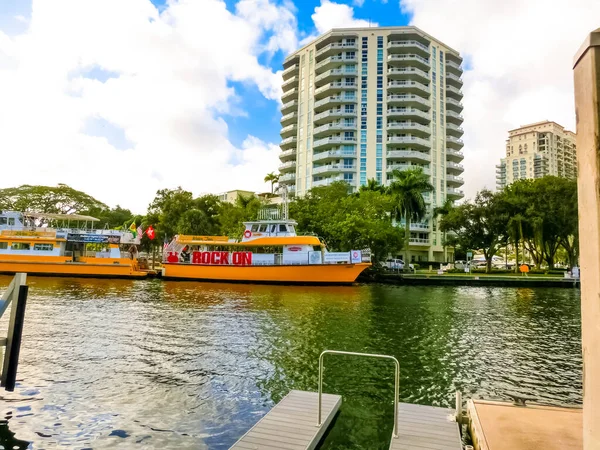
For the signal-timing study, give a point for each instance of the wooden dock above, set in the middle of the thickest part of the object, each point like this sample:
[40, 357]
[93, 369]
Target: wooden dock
[292, 423]
[426, 428]
[504, 426]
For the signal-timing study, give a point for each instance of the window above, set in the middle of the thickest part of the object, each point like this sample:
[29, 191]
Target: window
[263, 228]
[43, 247]
[350, 55]
[379, 55]
[348, 177]
[350, 41]
[379, 109]
[20, 246]
[349, 81]
[349, 108]
[3, 245]
[379, 95]
[379, 41]
[348, 135]
[254, 228]
[3, 221]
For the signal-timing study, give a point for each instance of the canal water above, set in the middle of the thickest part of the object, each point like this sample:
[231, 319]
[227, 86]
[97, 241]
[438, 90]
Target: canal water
[178, 365]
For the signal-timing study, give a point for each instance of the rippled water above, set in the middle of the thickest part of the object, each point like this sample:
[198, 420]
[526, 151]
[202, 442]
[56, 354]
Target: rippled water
[175, 365]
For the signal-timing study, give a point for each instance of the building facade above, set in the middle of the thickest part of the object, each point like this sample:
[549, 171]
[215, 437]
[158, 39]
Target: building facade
[536, 150]
[361, 102]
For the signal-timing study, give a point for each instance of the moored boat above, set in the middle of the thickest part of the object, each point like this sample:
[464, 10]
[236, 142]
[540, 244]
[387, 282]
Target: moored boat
[270, 251]
[65, 245]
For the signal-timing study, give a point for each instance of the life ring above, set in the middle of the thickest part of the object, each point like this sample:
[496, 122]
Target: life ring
[247, 234]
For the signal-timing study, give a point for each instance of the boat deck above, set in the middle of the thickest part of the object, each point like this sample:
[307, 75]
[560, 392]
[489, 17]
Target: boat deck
[426, 428]
[504, 426]
[292, 423]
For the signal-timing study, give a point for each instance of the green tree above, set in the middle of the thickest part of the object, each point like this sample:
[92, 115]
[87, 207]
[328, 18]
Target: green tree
[479, 225]
[407, 189]
[60, 199]
[167, 207]
[232, 216]
[273, 178]
[372, 185]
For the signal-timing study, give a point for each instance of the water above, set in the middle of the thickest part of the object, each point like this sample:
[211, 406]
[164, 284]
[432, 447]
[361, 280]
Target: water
[176, 365]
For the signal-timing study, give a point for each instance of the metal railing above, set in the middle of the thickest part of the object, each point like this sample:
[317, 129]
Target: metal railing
[368, 355]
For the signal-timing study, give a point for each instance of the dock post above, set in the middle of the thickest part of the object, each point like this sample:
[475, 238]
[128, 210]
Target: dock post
[459, 407]
[587, 110]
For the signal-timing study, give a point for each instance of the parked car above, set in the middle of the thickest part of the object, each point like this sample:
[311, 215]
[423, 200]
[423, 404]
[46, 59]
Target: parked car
[396, 264]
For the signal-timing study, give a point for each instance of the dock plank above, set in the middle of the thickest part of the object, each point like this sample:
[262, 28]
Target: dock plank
[292, 423]
[426, 428]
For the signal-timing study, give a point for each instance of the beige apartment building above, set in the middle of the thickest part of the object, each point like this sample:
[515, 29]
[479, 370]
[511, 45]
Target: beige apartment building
[536, 150]
[360, 102]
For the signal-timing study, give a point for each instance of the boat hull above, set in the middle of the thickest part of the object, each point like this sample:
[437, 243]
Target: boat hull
[118, 269]
[292, 274]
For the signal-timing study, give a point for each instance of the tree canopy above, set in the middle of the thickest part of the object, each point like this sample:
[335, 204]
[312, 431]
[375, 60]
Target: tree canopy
[60, 199]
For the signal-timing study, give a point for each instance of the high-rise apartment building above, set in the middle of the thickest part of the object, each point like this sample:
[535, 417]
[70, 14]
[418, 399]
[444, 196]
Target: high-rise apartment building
[361, 102]
[536, 150]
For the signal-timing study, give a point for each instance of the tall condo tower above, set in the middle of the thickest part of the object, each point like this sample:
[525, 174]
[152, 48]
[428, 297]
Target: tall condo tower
[361, 102]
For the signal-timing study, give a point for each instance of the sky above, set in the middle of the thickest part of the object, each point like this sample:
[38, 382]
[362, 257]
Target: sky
[120, 98]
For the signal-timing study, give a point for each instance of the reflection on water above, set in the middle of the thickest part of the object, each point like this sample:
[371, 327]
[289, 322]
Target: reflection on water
[176, 365]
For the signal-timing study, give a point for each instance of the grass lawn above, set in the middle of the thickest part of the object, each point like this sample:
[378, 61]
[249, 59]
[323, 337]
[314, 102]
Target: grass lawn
[493, 274]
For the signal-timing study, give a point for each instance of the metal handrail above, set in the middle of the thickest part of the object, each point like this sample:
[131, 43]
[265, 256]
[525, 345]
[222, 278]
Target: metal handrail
[370, 355]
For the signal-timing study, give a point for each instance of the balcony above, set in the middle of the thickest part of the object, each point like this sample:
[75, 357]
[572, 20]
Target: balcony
[334, 61]
[289, 95]
[289, 166]
[408, 155]
[407, 113]
[335, 47]
[454, 167]
[413, 127]
[454, 117]
[410, 86]
[454, 193]
[342, 71]
[408, 73]
[410, 141]
[454, 67]
[392, 167]
[408, 46]
[407, 100]
[452, 180]
[288, 178]
[288, 155]
[454, 143]
[453, 130]
[333, 155]
[453, 80]
[292, 70]
[418, 241]
[454, 155]
[332, 114]
[333, 168]
[289, 142]
[289, 119]
[409, 60]
[453, 92]
[333, 127]
[335, 86]
[289, 107]
[334, 100]
[289, 82]
[289, 131]
[328, 181]
[455, 105]
[333, 140]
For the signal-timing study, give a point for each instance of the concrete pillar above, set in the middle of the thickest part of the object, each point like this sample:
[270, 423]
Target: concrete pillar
[587, 107]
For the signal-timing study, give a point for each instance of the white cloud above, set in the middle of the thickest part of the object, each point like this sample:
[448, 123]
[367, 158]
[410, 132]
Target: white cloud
[358, 3]
[521, 53]
[336, 15]
[167, 88]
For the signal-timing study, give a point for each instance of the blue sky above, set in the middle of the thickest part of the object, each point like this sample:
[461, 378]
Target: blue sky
[262, 119]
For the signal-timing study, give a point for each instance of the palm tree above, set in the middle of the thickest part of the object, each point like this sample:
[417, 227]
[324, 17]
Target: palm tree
[372, 185]
[444, 210]
[273, 178]
[407, 188]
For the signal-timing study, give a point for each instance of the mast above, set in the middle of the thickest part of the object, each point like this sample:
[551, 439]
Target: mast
[284, 205]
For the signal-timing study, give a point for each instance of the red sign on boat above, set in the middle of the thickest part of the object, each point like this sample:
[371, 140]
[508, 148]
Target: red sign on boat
[222, 258]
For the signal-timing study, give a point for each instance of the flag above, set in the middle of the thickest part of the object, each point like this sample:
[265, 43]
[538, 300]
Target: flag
[150, 232]
[140, 231]
[133, 230]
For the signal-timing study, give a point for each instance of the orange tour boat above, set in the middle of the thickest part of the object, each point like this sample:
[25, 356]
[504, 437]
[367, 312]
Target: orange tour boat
[269, 252]
[65, 245]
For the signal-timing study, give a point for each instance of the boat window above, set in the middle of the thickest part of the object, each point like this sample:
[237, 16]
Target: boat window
[43, 247]
[3, 221]
[254, 228]
[291, 228]
[11, 220]
[20, 246]
[273, 229]
[3, 245]
[263, 228]
[282, 228]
